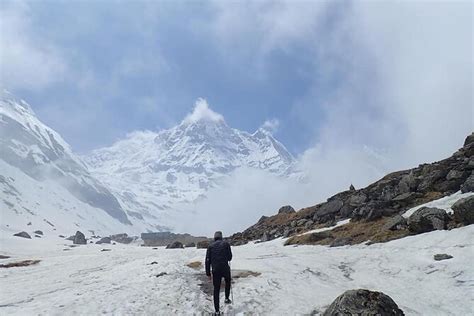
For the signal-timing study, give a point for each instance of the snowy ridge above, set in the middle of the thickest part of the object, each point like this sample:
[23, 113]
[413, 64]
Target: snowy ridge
[43, 182]
[157, 172]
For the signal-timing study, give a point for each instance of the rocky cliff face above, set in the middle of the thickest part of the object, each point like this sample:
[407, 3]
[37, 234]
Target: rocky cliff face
[390, 196]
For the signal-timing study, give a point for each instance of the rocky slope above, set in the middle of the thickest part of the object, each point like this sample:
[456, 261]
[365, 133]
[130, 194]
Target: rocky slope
[374, 208]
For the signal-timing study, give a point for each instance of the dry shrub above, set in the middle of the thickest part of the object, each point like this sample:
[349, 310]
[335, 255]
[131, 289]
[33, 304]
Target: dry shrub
[195, 265]
[355, 232]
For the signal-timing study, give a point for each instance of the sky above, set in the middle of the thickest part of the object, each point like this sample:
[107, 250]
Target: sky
[353, 89]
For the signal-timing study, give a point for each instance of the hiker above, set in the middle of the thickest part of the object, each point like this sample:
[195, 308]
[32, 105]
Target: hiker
[218, 256]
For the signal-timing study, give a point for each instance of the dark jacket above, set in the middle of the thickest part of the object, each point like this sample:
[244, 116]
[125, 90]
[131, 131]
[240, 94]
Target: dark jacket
[218, 255]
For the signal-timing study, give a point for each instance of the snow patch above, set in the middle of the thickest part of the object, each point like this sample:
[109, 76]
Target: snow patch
[444, 203]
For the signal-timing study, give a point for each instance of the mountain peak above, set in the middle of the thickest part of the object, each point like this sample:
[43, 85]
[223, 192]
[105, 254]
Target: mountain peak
[202, 113]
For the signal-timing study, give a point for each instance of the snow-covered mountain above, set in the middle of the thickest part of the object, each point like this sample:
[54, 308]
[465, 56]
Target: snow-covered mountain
[141, 183]
[44, 183]
[158, 172]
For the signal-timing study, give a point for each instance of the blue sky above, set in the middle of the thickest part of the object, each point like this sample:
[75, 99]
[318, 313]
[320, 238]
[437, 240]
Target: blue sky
[347, 74]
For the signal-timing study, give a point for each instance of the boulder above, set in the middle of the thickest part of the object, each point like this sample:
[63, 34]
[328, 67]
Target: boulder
[397, 222]
[442, 256]
[308, 224]
[38, 232]
[203, 244]
[79, 239]
[363, 302]
[468, 185]
[122, 238]
[427, 219]
[327, 211]
[190, 245]
[301, 222]
[104, 240]
[469, 140]
[464, 210]
[454, 174]
[357, 199]
[23, 235]
[286, 232]
[351, 188]
[175, 245]
[287, 209]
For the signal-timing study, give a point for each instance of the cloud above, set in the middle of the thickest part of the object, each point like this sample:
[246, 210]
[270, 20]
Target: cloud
[271, 125]
[392, 83]
[26, 60]
[203, 112]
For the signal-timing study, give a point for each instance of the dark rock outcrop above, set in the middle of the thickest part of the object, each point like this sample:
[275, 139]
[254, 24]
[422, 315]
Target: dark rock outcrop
[203, 244]
[190, 245]
[175, 245]
[79, 239]
[442, 256]
[165, 238]
[363, 302]
[464, 210]
[396, 223]
[427, 219]
[122, 238]
[287, 209]
[38, 232]
[22, 235]
[468, 185]
[104, 240]
[392, 195]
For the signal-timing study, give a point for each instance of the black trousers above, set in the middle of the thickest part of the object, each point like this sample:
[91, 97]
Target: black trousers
[218, 273]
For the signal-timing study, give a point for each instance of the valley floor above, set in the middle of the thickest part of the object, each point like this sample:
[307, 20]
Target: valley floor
[294, 280]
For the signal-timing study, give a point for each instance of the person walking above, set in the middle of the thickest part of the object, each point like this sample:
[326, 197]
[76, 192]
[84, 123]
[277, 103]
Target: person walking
[218, 256]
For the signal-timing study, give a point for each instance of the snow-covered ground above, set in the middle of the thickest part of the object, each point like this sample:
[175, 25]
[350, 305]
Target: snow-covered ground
[444, 203]
[294, 280]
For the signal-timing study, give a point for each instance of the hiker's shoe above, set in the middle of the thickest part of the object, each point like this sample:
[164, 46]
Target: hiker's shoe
[227, 301]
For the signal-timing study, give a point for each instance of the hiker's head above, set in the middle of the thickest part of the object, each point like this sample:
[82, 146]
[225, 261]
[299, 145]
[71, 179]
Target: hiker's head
[218, 235]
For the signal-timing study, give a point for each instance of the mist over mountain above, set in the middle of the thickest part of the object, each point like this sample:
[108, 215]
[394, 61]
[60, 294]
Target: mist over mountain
[148, 181]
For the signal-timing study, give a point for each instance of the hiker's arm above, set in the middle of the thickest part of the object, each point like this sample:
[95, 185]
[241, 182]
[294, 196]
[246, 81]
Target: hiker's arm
[229, 253]
[208, 261]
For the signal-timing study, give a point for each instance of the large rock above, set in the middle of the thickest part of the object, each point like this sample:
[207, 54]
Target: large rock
[175, 245]
[327, 211]
[464, 210]
[364, 303]
[38, 232]
[79, 239]
[427, 219]
[287, 209]
[23, 235]
[203, 244]
[122, 238]
[104, 240]
[396, 223]
[468, 185]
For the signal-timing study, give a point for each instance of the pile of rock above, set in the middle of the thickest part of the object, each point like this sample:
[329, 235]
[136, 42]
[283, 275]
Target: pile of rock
[389, 197]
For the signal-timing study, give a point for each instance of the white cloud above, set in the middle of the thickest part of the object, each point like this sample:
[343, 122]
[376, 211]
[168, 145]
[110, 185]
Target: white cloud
[203, 112]
[271, 125]
[400, 78]
[26, 61]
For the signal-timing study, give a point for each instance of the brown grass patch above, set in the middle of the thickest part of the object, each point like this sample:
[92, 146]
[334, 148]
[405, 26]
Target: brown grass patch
[195, 265]
[23, 263]
[354, 233]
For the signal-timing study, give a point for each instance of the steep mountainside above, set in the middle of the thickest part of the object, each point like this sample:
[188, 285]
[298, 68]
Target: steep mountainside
[42, 181]
[375, 210]
[158, 172]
